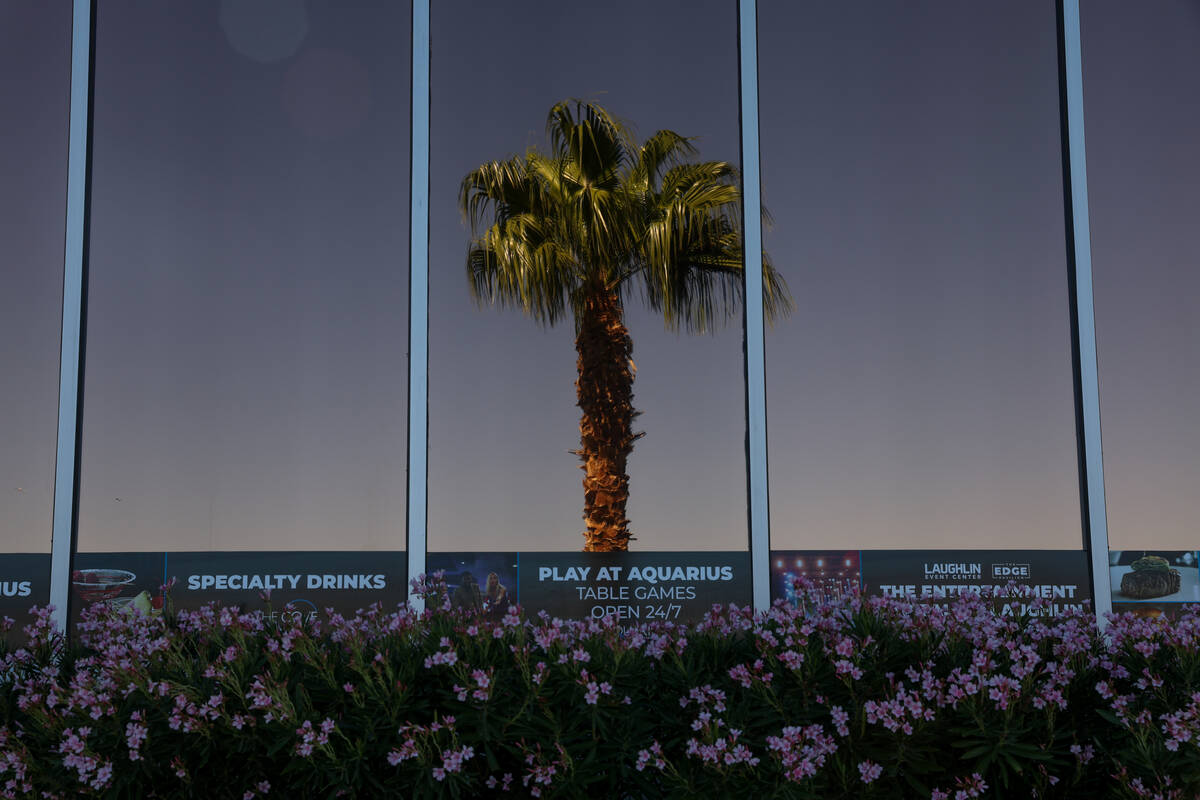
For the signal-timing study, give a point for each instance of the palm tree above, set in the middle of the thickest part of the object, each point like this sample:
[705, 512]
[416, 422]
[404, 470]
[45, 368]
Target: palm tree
[583, 229]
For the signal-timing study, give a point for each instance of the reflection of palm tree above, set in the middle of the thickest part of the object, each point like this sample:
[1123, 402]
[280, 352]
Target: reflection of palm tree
[581, 229]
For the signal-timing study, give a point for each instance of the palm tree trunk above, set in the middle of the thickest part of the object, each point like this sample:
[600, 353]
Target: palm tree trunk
[606, 437]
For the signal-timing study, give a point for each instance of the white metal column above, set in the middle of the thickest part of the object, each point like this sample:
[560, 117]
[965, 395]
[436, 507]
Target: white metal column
[756, 391]
[418, 337]
[66, 464]
[1080, 247]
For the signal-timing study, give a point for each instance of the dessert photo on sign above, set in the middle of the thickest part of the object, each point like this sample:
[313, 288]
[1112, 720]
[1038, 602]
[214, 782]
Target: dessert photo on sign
[1162, 576]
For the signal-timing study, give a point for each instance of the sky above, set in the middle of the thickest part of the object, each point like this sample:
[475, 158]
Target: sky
[921, 394]
[247, 378]
[502, 413]
[35, 74]
[1141, 75]
[246, 383]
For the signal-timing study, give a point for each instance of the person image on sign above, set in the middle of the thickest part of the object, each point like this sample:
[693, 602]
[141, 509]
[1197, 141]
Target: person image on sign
[467, 595]
[496, 600]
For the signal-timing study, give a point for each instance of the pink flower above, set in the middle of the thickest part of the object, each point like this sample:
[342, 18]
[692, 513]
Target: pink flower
[869, 771]
[840, 718]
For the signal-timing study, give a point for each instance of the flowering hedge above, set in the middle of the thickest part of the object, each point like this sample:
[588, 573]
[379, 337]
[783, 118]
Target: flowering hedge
[856, 698]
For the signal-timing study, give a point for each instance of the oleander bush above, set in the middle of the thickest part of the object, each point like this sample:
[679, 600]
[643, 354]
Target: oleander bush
[858, 697]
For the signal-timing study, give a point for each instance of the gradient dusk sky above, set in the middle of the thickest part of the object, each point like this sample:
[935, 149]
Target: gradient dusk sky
[921, 395]
[247, 379]
[246, 382]
[502, 412]
[35, 74]
[1141, 72]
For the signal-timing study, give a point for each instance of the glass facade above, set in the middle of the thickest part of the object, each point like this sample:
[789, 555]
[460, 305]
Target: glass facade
[1142, 74]
[35, 68]
[921, 395]
[257, 172]
[1141, 78]
[246, 381]
[503, 403]
[921, 407]
[509, 391]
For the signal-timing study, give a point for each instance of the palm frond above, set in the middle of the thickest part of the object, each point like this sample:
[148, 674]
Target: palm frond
[663, 150]
[600, 212]
[777, 299]
[595, 143]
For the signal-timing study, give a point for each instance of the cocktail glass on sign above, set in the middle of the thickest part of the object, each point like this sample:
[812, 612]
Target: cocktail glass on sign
[96, 585]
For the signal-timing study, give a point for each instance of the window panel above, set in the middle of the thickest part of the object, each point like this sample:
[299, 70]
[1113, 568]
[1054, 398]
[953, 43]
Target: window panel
[35, 76]
[920, 397]
[1141, 80]
[503, 416]
[246, 386]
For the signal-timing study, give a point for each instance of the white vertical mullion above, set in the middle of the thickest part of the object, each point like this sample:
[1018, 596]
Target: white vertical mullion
[756, 394]
[418, 336]
[66, 464]
[1092, 459]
